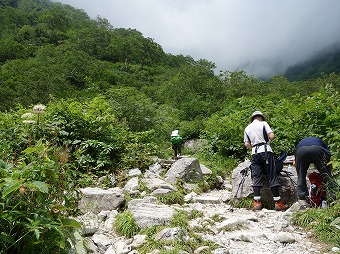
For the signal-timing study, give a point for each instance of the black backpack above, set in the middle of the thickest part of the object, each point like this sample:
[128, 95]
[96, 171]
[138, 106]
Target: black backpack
[279, 161]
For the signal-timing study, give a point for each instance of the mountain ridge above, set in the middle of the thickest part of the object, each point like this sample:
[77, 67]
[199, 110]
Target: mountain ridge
[326, 61]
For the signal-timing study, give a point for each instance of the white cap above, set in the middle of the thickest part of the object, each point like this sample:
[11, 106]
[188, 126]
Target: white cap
[257, 113]
[174, 133]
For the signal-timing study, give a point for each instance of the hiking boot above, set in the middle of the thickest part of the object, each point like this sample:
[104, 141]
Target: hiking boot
[280, 206]
[257, 205]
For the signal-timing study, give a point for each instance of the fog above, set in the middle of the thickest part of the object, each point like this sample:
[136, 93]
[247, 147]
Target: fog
[261, 37]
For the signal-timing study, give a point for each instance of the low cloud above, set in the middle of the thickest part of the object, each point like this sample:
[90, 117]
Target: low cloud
[261, 37]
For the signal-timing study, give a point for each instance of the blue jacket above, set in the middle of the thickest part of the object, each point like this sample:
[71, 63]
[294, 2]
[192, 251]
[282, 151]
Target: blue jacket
[312, 141]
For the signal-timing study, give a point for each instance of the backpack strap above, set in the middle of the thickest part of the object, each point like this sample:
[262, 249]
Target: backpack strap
[265, 135]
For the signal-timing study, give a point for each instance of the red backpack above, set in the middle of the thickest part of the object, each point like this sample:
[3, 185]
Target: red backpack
[317, 191]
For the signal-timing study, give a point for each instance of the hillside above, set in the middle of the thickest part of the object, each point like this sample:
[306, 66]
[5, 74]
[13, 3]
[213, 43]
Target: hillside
[84, 102]
[325, 62]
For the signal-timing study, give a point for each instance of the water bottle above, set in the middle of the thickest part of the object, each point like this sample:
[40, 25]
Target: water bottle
[313, 189]
[289, 168]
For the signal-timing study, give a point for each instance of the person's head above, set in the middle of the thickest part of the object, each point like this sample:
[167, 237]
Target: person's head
[257, 115]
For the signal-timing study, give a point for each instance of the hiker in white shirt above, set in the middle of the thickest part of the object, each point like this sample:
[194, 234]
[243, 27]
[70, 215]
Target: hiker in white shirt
[257, 136]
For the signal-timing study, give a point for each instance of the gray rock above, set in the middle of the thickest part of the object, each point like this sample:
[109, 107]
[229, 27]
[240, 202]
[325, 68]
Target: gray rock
[149, 214]
[138, 240]
[157, 183]
[122, 248]
[131, 185]
[284, 237]
[90, 223]
[157, 169]
[96, 199]
[187, 169]
[168, 234]
[205, 170]
[161, 192]
[134, 172]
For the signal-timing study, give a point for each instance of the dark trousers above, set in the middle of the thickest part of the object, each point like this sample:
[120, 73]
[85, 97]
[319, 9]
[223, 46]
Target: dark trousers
[320, 157]
[264, 164]
[177, 149]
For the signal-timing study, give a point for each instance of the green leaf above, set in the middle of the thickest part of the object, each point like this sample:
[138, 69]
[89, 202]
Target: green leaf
[11, 187]
[79, 242]
[4, 165]
[41, 186]
[34, 149]
[6, 238]
[37, 233]
[70, 223]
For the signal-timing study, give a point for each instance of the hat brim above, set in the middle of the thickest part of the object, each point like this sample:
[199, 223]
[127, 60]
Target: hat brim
[253, 117]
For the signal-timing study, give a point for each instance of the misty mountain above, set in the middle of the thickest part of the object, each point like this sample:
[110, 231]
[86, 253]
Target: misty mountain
[326, 61]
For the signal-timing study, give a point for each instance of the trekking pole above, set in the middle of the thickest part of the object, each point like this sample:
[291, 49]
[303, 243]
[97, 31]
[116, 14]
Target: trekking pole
[244, 173]
[289, 175]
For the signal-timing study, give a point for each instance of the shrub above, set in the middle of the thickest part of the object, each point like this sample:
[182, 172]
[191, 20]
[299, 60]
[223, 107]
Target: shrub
[34, 216]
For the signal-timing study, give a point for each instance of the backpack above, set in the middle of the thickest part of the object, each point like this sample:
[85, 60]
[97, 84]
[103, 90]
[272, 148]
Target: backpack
[176, 139]
[279, 162]
[317, 191]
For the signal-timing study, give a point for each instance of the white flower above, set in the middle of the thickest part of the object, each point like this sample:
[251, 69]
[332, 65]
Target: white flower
[27, 116]
[28, 121]
[39, 109]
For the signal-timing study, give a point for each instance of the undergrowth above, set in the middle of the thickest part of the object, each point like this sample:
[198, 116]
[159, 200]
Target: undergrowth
[323, 223]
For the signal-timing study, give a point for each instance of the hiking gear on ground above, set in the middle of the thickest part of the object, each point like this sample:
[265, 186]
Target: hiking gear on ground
[257, 113]
[280, 206]
[317, 192]
[244, 173]
[257, 205]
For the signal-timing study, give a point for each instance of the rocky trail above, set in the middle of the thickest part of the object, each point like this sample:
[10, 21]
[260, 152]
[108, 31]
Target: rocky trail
[248, 231]
[234, 231]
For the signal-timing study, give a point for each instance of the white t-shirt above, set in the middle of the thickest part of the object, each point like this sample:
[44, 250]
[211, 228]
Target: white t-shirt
[255, 133]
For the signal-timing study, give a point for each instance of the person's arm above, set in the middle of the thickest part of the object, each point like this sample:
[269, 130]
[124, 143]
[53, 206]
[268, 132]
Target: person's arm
[247, 140]
[271, 136]
[247, 144]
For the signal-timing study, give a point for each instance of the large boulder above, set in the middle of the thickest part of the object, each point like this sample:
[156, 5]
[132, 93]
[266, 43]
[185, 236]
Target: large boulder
[242, 184]
[148, 213]
[96, 200]
[187, 169]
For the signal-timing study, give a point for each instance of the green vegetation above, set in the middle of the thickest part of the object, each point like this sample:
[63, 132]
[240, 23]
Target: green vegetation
[107, 100]
[320, 223]
[125, 224]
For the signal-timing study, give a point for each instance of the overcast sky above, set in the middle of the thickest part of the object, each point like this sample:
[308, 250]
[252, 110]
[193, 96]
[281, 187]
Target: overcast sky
[261, 37]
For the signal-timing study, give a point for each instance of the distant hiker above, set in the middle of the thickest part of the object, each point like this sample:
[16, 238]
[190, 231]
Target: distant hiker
[313, 150]
[176, 141]
[257, 136]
